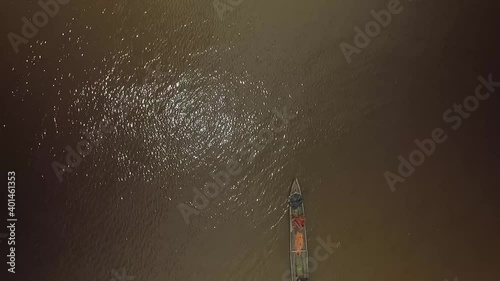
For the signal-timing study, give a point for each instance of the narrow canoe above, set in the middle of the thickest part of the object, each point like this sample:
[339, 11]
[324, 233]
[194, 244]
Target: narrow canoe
[299, 270]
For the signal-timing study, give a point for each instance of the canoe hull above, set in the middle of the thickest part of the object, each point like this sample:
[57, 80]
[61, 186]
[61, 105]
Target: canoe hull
[298, 251]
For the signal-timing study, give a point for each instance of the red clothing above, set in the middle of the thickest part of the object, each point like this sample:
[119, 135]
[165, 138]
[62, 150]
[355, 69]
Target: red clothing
[298, 221]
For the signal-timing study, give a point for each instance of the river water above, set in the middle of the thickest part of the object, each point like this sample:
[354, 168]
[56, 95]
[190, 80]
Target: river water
[172, 96]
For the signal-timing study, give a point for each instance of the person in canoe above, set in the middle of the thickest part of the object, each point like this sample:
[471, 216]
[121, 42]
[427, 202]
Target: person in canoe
[299, 242]
[298, 222]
